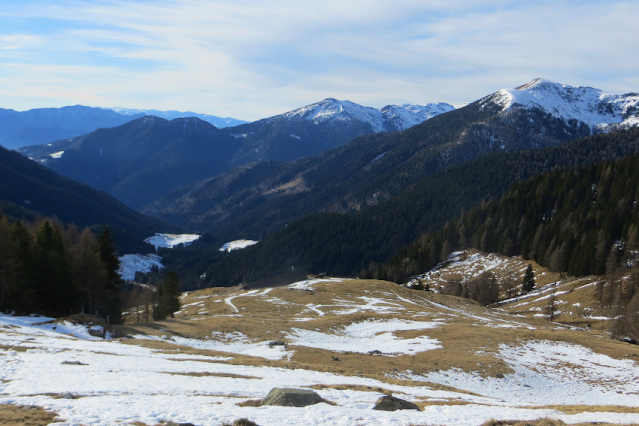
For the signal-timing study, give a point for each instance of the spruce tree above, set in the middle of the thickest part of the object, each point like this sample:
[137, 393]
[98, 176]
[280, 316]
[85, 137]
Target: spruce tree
[529, 280]
[169, 296]
[111, 305]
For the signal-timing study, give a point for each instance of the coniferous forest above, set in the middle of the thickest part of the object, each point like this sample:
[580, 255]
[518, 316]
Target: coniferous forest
[58, 270]
[344, 244]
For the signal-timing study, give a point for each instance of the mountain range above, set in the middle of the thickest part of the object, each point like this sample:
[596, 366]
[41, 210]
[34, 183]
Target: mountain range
[143, 160]
[256, 200]
[44, 125]
[218, 122]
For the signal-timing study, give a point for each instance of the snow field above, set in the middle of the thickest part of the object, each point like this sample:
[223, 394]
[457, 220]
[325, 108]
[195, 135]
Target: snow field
[118, 383]
[591, 106]
[171, 240]
[237, 245]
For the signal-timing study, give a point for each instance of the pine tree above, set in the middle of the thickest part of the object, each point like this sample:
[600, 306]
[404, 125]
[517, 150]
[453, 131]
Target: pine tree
[169, 296]
[529, 280]
[54, 288]
[111, 305]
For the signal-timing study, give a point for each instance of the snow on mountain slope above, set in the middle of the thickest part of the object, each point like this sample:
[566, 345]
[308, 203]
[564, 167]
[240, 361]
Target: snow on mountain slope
[597, 109]
[237, 245]
[407, 115]
[132, 263]
[388, 118]
[171, 240]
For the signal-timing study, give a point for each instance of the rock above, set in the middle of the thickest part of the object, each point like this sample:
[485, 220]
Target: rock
[375, 352]
[73, 363]
[179, 424]
[390, 403]
[291, 397]
[276, 343]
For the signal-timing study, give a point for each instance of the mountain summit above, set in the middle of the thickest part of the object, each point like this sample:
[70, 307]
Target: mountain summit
[599, 110]
[390, 118]
[141, 161]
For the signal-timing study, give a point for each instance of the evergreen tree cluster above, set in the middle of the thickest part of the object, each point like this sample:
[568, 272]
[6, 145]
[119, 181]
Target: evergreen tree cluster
[55, 270]
[582, 221]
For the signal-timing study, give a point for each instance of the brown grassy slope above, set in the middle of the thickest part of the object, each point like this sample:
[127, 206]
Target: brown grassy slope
[579, 304]
[467, 331]
[546, 422]
[17, 415]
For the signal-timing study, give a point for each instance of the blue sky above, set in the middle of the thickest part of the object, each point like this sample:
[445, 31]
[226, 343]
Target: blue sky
[253, 59]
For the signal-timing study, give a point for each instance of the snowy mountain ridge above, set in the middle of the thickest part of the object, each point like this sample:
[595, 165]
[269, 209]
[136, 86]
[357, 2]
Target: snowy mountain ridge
[599, 110]
[388, 118]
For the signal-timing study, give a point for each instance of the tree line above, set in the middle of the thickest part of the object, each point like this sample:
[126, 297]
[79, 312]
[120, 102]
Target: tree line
[57, 270]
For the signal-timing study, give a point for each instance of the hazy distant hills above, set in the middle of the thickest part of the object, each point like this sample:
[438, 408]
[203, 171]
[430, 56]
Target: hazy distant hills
[218, 122]
[44, 125]
[143, 160]
[255, 200]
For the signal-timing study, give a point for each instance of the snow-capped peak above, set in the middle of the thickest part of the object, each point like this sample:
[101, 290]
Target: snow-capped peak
[589, 105]
[388, 118]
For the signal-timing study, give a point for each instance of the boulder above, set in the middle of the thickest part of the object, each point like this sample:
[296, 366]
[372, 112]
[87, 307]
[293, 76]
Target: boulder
[291, 397]
[390, 403]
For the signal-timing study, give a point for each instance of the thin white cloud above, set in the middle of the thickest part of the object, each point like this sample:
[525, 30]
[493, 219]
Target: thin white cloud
[251, 59]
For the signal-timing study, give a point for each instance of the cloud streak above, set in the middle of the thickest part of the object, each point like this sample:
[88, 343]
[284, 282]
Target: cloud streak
[252, 59]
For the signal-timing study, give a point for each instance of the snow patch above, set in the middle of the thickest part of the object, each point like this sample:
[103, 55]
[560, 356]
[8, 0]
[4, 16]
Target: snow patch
[368, 336]
[171, 240]
[132, 263]
[56, 154]
[237, 245]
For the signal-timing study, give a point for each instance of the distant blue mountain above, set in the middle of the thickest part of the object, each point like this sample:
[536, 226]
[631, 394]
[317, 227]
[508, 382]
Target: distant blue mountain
[218, 122]
[44, 125]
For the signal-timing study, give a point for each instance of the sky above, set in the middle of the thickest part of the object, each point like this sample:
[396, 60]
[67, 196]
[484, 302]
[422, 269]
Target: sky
[254, 59]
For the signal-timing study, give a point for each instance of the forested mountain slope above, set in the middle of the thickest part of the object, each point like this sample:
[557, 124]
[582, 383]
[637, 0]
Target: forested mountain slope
[581, 221]
[343, 244]
[257, 200]
[28, 185]
[141, 161]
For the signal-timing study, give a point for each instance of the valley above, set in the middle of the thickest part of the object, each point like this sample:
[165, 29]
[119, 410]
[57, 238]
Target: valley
[478, 261]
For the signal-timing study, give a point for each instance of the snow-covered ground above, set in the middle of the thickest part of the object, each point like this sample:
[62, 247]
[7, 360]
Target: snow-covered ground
[552, 373]
[132, 263]
[171, 240]
[237, 245]
[375, 334]
[90, 381]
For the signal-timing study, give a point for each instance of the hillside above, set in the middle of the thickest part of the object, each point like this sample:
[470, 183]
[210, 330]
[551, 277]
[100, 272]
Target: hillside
[28, 189]
[351, 341]
[344, 244]
[577, 300]
[256, 200]
[582, 221]
[143, 160]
